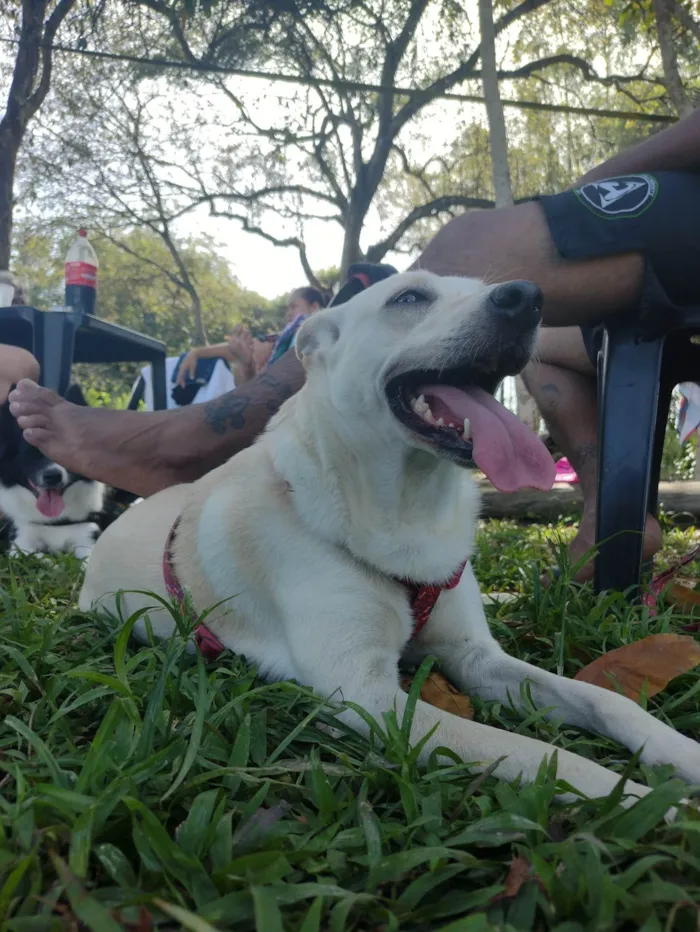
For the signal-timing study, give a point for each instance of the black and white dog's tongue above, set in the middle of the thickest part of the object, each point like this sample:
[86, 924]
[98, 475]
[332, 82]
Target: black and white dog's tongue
[360, 276]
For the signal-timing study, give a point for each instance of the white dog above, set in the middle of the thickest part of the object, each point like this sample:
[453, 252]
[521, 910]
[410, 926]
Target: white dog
[358, 484]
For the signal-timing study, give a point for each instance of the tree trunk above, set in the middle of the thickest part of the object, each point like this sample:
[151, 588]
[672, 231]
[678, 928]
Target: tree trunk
[500, 169]
[351, 240]
[528, 412]
[26, 95]
[9, 147]
[14, 121]
[201, 337]
[498, 141]
[669, 59]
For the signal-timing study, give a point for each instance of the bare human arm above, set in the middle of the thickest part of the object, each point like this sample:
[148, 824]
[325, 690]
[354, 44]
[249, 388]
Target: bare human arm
[188, 366]
[238, 351]
[515, 242]
[674, 149]
[146, 452]
[220, 428]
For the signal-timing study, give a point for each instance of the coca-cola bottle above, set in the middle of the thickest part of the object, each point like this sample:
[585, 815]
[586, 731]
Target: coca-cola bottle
[81, 275]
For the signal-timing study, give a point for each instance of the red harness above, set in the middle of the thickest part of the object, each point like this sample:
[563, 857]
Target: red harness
[207, 642]
[423, 597]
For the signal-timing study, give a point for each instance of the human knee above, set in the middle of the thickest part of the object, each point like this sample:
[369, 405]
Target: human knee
[17, 363]
[565, 348]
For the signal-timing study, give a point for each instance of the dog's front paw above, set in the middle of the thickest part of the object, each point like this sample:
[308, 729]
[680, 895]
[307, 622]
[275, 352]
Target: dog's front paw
[674, 748]
[83, 553]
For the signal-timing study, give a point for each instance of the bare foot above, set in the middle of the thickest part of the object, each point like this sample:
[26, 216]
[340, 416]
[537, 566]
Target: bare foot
[145, 452]
[584, 542]
[120, 448]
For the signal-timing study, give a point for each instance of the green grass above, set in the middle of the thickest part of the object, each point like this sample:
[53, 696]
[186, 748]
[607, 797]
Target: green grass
[141, 789]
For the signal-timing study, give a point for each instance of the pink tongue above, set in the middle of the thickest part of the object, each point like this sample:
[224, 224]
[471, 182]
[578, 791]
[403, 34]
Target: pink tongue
[50, 503]
[507, 451]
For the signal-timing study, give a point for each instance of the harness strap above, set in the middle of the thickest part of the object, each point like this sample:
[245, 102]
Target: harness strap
[422, 597]
[205, 639]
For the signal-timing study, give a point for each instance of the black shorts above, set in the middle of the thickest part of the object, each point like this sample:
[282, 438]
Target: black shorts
[657, 215]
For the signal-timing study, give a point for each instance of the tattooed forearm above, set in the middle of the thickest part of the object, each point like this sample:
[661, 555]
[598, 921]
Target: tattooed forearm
[280, 390]
[248, 409]
[226, 412]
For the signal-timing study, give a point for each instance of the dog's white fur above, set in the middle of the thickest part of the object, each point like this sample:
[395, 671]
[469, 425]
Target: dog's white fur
[302, 533]
[37, 534]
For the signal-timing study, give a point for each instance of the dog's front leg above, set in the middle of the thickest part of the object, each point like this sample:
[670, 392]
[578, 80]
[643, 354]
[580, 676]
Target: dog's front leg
[343, 659]
[474, 661]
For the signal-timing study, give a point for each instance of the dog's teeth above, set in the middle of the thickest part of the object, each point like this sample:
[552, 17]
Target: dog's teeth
[440, 422]
[467, 435]
[451, 425]
[420, 405]
[428, 416]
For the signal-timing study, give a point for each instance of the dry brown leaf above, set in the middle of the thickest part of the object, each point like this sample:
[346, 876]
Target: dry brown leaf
[683, 598]
[520, 872]
[517, 875]
[654, 661]
[437, 691]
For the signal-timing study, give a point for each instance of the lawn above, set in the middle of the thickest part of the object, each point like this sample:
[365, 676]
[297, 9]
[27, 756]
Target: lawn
[141, 789]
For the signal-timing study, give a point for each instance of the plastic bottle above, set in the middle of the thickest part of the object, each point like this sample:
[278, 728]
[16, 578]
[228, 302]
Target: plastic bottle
[81, 275]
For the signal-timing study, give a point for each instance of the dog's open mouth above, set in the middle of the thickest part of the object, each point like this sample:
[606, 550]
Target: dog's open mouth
[49, 502]
[455, 411]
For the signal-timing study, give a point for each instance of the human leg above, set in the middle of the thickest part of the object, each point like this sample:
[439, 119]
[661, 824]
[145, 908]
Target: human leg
[145, 452]
[562, 380]
[533, 241]
[15, 364]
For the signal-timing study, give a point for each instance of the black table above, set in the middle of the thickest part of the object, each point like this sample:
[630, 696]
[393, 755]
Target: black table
[59, 338]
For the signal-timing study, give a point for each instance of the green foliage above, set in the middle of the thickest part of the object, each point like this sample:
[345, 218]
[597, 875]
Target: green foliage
[144, 790]
[134, 291]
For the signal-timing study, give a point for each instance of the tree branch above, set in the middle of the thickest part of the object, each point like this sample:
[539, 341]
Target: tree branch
[432, 209]
[575, 61]
[464, 71]
[364, 86]
[60, 11]
[170, 13]
[685, 19]
[294, 241]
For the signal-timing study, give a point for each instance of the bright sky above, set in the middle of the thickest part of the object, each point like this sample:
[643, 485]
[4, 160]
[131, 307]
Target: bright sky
[273, 270]
[269, 270]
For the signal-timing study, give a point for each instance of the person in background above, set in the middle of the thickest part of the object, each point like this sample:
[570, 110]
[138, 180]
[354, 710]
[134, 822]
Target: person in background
[247, 354]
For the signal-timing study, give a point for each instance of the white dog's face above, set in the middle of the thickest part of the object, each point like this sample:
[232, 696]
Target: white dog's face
[421, 355]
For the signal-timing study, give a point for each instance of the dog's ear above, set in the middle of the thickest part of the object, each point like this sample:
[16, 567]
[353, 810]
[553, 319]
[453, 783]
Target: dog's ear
[10, 431]
[75, 395]
[315, 335]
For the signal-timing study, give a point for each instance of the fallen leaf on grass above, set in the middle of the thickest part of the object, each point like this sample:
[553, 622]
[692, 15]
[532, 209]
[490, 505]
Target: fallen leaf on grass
[520, 872]
[683, 598]
[437, 691]
[517, 875]
[654, 661]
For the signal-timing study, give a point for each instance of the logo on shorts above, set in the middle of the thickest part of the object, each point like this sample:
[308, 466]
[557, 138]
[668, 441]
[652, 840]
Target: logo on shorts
[626, 196]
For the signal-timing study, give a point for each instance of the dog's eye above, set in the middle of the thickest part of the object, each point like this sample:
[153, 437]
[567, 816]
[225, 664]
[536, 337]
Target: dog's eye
[411, 296]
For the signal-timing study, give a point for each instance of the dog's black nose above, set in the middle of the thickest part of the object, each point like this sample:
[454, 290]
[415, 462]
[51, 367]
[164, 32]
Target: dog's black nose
[518, 299]
[52, 477]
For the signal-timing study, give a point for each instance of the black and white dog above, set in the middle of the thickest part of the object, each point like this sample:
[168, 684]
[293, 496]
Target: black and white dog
[47, 508]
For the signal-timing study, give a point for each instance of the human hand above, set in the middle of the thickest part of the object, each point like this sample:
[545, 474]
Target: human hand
[240, 344]
[188, 367]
